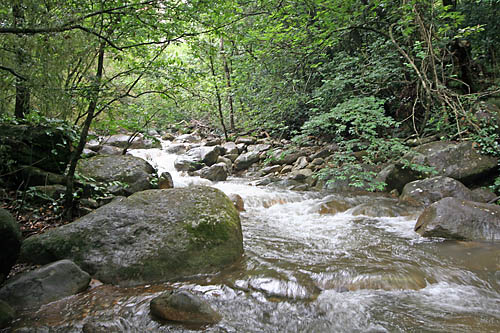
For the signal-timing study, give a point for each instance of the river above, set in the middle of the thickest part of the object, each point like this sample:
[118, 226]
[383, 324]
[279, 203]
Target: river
[307, 268]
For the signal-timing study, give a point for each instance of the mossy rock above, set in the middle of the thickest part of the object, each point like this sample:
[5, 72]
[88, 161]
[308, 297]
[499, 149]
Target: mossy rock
[10, 240]
[151, 236]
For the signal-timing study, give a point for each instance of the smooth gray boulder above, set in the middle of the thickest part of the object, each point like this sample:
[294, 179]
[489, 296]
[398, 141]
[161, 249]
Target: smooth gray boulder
[44, 285]
[132, 171]
[198, 157]
[247, 140]
[246, 160]
[10, 242]
[460, 219]
[230, 148]
[151, 236]
[430, 190]
[217, 172]
[184, 307]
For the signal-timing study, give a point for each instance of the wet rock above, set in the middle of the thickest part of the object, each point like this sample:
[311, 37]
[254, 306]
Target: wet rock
[245, 160]
[110, 150]
[197, 157]
[7, 314]
[217, 172]
[44, 285]
[300, 175]
[266, 181]
[176, 148]
[165, 181]
[247, 140]
[230, 148]
[10, 242]
[333, 206]
[430, 190]
[460, 219]
[383, 208]
[237, 200]
[151, 236]
[132, 171]
[182, 306]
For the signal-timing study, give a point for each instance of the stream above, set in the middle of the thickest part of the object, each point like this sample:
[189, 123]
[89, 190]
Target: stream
[307, 268]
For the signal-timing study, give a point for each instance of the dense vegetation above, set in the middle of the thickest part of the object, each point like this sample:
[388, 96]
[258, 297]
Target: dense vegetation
[365, 74]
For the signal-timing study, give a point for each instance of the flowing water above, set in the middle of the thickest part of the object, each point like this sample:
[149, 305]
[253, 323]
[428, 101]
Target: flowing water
[309, 268]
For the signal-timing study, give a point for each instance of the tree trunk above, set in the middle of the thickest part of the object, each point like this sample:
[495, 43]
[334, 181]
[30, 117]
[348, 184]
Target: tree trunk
[217, 96]
[70, 176]
[227, 74]
[22, 90]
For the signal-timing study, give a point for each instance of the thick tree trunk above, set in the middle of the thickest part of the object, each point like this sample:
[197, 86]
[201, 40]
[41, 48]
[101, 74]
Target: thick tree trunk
[227, 73]
[70, 176]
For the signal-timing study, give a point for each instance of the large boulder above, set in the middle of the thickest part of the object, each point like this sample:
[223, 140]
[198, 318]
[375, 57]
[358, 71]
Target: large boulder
[151, 236]
[10, 242]
[184, 307]
[197, 157]
[216, 172]
[130, 141]
[430, 190]
[460, 161]
[45, 284]
[246, 160]
[396, 176]
[46, 147]
[454, 218]
[132, 171]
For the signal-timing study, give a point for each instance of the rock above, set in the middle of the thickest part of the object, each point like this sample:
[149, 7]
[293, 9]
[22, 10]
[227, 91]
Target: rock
[133, 171]
[333, 206]
[213, 142]
[301, 174]
[195, 158]
[270, 169]
[44, 285]
[45, 147]
[383, 208]
[325, 152]
[7, 314]
[237, 201]
[182, 306]
[241, 147]
[301, 163]
[150, 236]
[176, 148]
[50, 192]
[216, 172]
[35, 176]
[230, 148]
[138, 141]
[189, 138]
[266, 181]
[168, 137]
[460, 219]
[259, 148]
[483, 195]
[245, 160]
[93, 145]
[232, 157]
[165, 181]
[286, 169]
[396, 176]
[430, 190]
[247, 140]
[227, 162]
[318, 161]
[10, 242]
[110, 150]
[287, 157]
[88, 153]
[460, 161]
